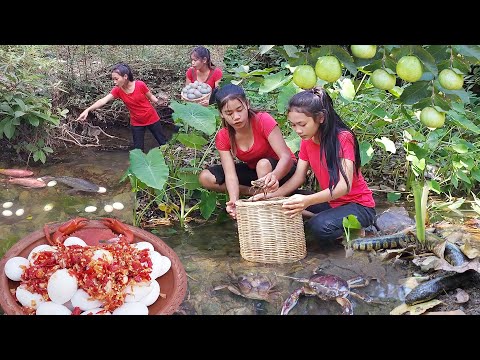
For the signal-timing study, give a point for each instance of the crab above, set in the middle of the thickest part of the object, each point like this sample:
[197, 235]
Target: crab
[252, 286]
[259, 186]
[326, 287]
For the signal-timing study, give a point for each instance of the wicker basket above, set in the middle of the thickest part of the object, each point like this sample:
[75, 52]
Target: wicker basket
[267, 235]
[206, 96]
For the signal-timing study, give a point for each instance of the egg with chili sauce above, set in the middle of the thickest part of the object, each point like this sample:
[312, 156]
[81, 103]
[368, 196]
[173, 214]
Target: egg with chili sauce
[28, 298]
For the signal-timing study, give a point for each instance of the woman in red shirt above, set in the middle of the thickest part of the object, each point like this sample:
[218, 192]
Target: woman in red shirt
[331, 149]
[204, 71]
[138, 100]
[252, 137]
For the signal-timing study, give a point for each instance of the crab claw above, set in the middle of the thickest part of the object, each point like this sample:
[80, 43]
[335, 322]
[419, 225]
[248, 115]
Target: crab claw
[119, 228]
[291, 301]
[65, 229]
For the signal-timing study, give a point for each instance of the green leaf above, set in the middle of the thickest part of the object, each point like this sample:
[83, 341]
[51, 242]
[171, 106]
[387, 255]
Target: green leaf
[285, 94]
[9, 129]
[393, 196]
[463, 121]
[387, 144]
[415, 92]
[351, 222]
[460, 148]
[461, 175]
[21, 104]
[188, 180]
[151, 168]
[366, 152]
[434, 186]
[461, 94]
[468, 50]
[475, 174]
[33, 120]
[274, 81]
[293, 141]
[291, 50]
[427, 59]
[192, 141]
[195, 115]
[208, 203]
[7, 109]
[265, 48]
[345, 58]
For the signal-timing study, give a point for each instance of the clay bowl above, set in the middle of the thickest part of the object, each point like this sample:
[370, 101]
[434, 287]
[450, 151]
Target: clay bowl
[173, 283]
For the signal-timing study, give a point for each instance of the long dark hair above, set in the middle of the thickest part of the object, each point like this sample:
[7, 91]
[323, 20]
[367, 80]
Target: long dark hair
[203, 53]
[223, 95]
[314, 103]
[123, 69]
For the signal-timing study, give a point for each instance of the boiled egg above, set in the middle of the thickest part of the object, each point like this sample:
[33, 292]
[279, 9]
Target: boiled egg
[15, 267]
[61, 286]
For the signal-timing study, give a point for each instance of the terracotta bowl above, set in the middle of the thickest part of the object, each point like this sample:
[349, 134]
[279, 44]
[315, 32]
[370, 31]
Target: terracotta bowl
[173, 283]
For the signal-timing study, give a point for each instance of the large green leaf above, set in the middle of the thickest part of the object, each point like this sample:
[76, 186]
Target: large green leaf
[463, 121]
[195, 115]
[208, 203]
[366, 152]
[150, 169]
[468, 50]
[285, 94]
[415, 92]
[293, 141]
[192, 141]
[188, 180]
[461, 94]
[345, 58]
[427, 59]
[274, 81]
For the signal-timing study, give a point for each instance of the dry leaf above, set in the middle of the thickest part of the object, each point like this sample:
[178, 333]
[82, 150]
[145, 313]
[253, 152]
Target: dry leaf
[461, 296]
[469, 251]
[413, 281]
[453, 312]
[428, 262]
[415, 309]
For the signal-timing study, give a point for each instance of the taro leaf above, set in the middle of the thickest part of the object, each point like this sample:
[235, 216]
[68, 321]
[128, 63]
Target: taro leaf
[387, 144]
[150, 169]
[415, 92]
[286, 92]
[208, 203]
[366, 152]
[192, 141]
[427, 59]
[351, 222]
[197, 116]
[188, 180]
[468, 50]
[293, 141]
[274, 81]
[434, 186]
[393, 196]
[265, 48]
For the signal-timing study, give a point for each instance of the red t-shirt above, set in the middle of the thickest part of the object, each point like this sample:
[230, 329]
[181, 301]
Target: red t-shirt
[359, 192]
[216, 75]
[262, 125]
[142, 112]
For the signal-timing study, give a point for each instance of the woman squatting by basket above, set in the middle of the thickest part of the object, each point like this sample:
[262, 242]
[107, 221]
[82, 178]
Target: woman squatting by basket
[138, 99]
[331, 149]
[252, 137]
[204, 71]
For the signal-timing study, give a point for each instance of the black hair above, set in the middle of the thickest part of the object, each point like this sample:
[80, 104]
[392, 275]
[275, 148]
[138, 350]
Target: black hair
[123, 69]
[203, 53]
[317, 102]
[222, 96]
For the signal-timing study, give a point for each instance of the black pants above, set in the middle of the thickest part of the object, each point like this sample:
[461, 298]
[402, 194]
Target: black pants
[327, 224]
[138, 133]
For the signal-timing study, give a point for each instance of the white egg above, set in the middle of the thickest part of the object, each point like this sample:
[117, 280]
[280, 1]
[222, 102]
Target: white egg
[101, 190]
[90, 209]
[108, 208]
[144, 245]
[37, 249]
[131, 308]
[153, 295]
[27, 298]
[96, 311]
[19, 212]
[102, 254]
[15, 267]
[7, 213]
[118, 206]
[51, 308]
[84, 301]
[160, 264]
[73, 240]
[61, 286]
[51, 183]
[7, 204]
[137, 291]
[48, 207]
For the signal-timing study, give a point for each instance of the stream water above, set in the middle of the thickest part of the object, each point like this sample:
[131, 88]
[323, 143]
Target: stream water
[209, 252]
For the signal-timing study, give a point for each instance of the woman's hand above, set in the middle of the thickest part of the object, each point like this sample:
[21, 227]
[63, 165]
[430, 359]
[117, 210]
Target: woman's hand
[231, 209]
[271, 182]
[295, 204]
[83, 115]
